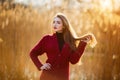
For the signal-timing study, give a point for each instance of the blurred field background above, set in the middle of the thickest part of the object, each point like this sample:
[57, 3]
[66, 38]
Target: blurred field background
[24, 22]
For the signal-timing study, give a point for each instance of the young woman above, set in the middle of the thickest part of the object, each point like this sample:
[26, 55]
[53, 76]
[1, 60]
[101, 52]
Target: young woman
[60, 48]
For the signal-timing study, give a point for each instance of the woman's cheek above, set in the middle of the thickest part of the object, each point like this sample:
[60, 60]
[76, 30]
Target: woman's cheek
[60, 27]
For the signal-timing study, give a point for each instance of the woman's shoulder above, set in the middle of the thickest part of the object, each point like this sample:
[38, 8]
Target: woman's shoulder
[47, 36]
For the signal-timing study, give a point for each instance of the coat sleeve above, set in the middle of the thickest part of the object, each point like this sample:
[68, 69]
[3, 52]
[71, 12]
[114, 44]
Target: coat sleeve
[75, 56]
[38, 50]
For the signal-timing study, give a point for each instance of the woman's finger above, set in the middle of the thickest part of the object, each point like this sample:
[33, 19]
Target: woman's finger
[47, 66]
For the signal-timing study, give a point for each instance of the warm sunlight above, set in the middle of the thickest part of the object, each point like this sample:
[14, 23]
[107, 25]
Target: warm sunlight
[23, 23]
[1, 40]
[106, 5]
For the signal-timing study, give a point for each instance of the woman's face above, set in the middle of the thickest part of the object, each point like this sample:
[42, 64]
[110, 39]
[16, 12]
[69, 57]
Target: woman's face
[57, 24]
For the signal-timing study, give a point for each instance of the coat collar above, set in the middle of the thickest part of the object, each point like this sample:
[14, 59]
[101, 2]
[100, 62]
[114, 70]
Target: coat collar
[57, 45]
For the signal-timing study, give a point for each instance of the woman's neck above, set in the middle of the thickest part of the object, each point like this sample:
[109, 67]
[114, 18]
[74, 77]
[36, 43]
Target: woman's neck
[60, 31]
[60, 39]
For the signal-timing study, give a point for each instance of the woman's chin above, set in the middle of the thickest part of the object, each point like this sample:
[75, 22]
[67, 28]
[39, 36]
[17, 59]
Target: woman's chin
[59, 31]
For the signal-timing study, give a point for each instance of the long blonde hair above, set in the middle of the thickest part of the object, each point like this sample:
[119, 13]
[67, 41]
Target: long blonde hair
[69, 34]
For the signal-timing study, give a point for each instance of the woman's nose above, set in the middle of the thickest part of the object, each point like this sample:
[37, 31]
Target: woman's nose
[55, 25]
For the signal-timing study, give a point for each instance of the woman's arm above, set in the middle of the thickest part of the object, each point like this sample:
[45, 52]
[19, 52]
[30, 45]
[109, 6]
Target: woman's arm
[75, 56]
[38, 50]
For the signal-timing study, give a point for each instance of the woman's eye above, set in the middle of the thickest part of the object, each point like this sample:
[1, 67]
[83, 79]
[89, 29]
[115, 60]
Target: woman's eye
[53, 21]
[58, 22]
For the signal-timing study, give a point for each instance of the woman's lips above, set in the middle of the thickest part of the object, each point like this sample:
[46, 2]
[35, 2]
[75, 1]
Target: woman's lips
[55, 27]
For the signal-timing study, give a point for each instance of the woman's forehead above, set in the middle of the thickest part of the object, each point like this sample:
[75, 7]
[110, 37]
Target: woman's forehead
[57, 19]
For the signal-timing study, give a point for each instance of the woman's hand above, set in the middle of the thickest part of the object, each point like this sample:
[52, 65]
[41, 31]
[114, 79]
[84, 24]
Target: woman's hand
[86, 38]
[89, 39]
[46, 66]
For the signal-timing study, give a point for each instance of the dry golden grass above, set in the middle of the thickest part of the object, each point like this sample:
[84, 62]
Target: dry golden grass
[22, 27]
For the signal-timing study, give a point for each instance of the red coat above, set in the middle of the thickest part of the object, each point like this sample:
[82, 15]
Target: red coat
[58, 59]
